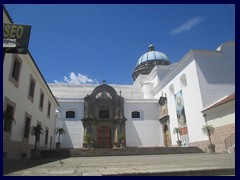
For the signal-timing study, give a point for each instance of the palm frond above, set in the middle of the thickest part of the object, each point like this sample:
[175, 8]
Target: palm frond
[176, 130]
[208, 129]
[37, 130]
[60, 131]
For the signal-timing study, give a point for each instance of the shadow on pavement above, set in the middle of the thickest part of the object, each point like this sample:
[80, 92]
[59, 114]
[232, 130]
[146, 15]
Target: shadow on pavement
[204, 172]
[10, 165]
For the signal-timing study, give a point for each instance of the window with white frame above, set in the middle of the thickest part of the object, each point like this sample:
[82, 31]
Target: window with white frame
[46, 136]
[70, 114]
[49, 109]
[32, 84]
[135, 114]
[171, 89]
[27, 126]
[183, 80]
[41, 100]
[8, 118]
[15, 70]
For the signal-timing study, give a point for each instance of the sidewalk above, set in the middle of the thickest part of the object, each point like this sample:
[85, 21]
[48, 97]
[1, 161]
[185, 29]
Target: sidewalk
[170, 164]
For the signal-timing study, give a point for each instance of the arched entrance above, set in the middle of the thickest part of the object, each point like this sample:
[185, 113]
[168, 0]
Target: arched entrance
[104, 137]
[103, 117]
[167, 136]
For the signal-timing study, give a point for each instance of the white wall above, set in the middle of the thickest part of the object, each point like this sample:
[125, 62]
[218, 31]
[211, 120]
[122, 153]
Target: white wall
[221, 115]
[192, 102]
[146, 131]
[147, 88]
[73, 126]
[19, 96]
[79, 91]
[74, 135]
[216, 72]
[23, 104]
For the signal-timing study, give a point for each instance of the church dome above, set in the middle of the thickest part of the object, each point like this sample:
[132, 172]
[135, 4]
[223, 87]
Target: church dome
[152, 55]
[148, 60]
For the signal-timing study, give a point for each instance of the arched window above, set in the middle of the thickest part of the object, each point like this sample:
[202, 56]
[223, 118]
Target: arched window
[171, 89]
[70, 114]
[135, 114]
[183, 80]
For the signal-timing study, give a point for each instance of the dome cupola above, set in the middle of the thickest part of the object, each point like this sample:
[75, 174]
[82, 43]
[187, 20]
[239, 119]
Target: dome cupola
[148, 60]
[151, 47]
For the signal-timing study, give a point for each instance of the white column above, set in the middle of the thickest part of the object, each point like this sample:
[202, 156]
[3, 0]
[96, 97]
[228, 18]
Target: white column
[147, 88]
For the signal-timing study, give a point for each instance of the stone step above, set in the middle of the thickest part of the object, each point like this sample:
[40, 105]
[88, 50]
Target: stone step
[220, 148]
[134, 151]
[119, 152]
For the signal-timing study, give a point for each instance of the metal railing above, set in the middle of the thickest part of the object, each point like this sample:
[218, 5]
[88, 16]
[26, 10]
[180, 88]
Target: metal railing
[230, 141]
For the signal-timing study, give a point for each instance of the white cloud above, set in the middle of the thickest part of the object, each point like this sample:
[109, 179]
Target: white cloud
[188, 25]
[56, 82]
[77, 79]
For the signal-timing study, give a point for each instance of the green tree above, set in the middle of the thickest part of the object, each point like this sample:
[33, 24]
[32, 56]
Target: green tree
[37, 131]
[176, 131]
[121, 137]
[208, 130]
[88, 138]
[59, 132]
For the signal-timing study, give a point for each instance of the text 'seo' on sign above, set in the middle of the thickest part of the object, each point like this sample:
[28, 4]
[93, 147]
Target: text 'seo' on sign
[20, 33]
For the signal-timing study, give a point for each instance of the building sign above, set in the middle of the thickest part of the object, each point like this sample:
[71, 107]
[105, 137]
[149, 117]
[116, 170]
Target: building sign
[181, 118]
[9, 43]
[19, 34]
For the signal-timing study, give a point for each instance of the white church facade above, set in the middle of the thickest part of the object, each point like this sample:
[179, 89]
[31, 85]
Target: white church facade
[163, 96]
[198, 89]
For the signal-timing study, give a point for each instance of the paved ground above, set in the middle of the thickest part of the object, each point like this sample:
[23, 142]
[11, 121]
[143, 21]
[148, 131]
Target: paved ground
[171, 164]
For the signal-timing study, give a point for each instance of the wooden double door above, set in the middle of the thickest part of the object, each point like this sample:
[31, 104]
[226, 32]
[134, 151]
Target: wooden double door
[104, 139]
[167, 136]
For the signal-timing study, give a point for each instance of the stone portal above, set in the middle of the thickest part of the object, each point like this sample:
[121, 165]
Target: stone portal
[103, 119]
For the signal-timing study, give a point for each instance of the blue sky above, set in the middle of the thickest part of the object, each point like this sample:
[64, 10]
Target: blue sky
[83, 43]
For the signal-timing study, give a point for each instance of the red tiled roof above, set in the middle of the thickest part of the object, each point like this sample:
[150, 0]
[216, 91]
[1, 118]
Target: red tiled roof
[222, 101]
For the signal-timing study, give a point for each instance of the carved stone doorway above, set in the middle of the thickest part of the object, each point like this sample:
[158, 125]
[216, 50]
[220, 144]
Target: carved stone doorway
[104, 137]
[103, 117]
